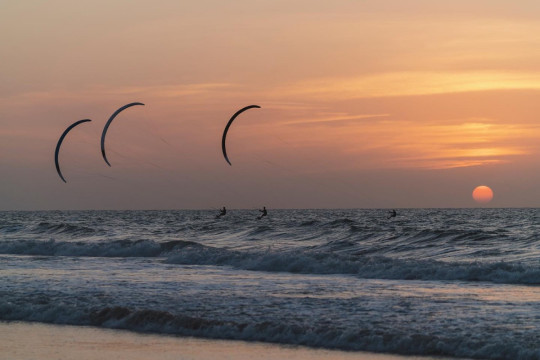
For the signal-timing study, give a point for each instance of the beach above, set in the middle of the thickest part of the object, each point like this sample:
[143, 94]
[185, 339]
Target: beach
[25, 341]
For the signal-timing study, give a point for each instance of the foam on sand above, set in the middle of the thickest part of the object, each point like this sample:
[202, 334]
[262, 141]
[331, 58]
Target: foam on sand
[20, 340]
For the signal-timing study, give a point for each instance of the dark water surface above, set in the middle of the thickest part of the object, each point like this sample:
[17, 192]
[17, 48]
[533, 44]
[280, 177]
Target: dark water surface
[453, 282]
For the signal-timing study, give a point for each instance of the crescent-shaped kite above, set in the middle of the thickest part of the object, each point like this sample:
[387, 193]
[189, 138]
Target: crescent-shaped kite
[107, 127]
[223, 148]
[60, 143]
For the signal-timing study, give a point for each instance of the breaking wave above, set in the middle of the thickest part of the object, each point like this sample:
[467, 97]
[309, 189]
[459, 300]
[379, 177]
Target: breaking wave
[304, 260]
[361, 337]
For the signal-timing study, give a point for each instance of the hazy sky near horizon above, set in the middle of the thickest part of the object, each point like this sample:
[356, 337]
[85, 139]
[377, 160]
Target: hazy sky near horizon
[364, 103]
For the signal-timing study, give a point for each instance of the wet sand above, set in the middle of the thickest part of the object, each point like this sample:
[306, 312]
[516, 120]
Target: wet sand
[19, 340]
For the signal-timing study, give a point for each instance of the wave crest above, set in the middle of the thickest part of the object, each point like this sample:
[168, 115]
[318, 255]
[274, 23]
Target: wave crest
[371, 267]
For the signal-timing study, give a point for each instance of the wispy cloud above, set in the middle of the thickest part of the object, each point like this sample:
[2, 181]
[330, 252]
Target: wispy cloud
[100, 92]
[469, 143]
[333, 119]
[410, 83]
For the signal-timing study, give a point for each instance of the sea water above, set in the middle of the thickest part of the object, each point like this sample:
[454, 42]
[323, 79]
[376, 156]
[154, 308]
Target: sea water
[451, 282]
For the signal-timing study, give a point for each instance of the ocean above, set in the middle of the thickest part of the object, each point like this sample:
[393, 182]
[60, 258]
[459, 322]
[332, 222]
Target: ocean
[444, 282]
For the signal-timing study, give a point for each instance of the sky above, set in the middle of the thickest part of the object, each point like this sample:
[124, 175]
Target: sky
[364, 104]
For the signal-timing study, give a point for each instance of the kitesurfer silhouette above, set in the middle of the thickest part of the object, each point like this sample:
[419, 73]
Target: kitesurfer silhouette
[391, 214]
[222, 212]
[264, 213]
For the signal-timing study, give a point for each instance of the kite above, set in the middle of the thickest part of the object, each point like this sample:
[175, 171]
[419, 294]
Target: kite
[60, 143]
[107, 127]
[223, 148]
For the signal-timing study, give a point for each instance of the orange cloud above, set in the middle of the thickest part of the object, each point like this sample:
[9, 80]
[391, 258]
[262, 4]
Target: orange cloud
[409, 83]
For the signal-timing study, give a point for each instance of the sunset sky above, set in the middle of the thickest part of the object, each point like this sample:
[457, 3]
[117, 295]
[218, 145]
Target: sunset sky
[364, 104]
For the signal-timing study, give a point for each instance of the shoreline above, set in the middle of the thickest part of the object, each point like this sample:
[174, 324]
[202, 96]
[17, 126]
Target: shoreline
[29, 340]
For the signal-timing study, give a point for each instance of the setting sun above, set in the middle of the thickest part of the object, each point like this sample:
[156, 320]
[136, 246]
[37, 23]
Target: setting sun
[482, 194]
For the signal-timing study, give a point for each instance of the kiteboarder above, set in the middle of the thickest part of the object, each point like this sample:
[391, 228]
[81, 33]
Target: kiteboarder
[222, 212]
[391, 214]
[264, 213]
